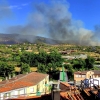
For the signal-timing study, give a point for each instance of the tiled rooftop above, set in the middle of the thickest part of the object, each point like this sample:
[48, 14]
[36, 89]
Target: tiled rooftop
[73, 94]
[21, 81]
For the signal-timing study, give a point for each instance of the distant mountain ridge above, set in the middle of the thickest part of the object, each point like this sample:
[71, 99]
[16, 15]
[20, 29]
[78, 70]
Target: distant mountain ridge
[17, 38]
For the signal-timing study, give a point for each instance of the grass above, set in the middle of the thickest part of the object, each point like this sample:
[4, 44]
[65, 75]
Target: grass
[33, 69]
[17, 69]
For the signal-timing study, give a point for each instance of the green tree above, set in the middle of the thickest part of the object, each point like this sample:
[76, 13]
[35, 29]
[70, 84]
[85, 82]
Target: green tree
[70, 70]
[6, 70]
[10, 69]
[26, 57]
[89, 62]
[42, 57]
[42, 68]
[79, 64]
[55, 58]
[24, 68]
[29, 58]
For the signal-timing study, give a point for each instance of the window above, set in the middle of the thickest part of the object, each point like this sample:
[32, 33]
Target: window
[31, 89]
[80, 76]
[15, 92]
[5, 95]
[76, 75]
[21, 91]
[83, 76]
[1, 95]
[9, 94]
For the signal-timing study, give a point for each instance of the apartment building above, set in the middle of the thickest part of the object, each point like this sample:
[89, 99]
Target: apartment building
[32, 84]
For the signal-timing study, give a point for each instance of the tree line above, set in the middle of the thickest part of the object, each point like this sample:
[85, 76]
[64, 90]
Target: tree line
[80, 65]
[45, 62]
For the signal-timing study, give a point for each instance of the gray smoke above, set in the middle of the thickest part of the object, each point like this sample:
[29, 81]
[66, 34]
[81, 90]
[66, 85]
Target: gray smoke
[97, 30]
[55, 21]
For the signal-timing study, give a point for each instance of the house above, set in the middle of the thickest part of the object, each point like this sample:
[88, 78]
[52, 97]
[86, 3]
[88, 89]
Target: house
[81, 75]
[82, 56]
[32, 84]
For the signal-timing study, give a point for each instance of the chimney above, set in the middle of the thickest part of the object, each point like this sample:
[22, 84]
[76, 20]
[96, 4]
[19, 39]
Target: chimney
[55, 92]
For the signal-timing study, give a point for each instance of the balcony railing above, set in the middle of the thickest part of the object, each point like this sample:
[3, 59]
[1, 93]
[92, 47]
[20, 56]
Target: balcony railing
[21, 95]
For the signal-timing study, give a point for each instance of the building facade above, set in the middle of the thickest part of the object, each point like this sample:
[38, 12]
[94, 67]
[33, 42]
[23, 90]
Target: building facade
[32, 84]
[81, 75]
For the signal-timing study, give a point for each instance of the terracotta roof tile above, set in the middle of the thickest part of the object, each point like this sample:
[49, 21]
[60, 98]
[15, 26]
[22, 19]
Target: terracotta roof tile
[21, 81]
[64, 95]
[70, 96]
[65, 83]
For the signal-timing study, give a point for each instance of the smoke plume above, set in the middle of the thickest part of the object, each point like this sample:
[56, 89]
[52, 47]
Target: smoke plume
[55, 21]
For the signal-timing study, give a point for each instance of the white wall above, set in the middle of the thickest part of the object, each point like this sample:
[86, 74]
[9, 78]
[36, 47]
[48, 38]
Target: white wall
[13, 93]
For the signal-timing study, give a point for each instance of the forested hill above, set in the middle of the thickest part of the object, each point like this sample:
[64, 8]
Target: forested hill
[17, 38]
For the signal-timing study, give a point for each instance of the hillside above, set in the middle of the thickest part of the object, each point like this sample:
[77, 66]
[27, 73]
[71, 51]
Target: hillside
[16, 38]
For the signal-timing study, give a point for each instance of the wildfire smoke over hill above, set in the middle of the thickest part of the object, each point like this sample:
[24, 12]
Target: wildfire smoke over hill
[54, 21]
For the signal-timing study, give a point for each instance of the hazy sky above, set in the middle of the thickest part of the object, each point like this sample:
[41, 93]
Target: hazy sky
[20, 16]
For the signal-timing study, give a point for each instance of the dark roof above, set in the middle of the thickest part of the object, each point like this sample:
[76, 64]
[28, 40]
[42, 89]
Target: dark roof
[84, 72]
[80, 72]
[96, 71]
